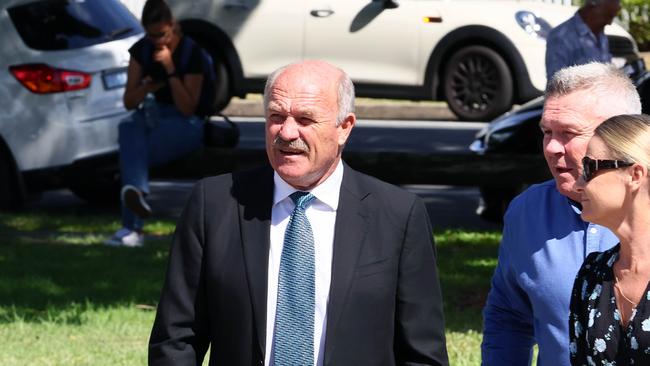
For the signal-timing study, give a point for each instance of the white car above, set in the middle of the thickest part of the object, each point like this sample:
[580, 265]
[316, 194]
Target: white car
[62, 76]
[480, 56]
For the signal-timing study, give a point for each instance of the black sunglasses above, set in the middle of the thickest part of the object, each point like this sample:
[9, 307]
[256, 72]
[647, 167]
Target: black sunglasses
[591, 166]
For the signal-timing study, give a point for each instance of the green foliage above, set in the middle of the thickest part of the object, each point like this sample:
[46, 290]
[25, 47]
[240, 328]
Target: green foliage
[636, 13]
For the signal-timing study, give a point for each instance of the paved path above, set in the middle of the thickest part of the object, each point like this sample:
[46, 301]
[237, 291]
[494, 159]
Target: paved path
[448, 206]
[365, 108]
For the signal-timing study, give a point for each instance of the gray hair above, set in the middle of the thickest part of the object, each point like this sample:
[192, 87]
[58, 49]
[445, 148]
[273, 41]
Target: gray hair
[627, 137]
[604, 80]
[345, 92]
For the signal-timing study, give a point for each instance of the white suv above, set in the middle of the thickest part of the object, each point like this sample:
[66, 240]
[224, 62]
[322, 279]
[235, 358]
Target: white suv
[62, 75]
[480, 56]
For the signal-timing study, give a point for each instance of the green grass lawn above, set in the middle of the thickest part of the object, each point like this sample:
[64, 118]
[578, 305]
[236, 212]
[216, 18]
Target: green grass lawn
[65, 299]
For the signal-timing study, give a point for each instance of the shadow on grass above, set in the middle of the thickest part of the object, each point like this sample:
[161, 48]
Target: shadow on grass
[53, 266]
[466, 261]
[38, 281]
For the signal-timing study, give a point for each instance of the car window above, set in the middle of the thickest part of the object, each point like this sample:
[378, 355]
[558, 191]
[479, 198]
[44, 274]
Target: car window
[68, 24]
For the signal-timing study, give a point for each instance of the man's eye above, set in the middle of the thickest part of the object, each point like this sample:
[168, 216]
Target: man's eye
[276, 117]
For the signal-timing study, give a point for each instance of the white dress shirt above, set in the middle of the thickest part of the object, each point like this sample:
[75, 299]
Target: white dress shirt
[322, 218]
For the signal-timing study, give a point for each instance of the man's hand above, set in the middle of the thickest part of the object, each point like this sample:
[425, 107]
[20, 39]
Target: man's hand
[164, 56]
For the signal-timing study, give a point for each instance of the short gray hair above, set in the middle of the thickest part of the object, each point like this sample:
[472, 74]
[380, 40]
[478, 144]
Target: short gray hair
[345, 92]
[605, 80]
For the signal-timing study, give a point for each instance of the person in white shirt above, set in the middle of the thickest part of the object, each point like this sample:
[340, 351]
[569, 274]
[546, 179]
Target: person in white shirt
[305, 262]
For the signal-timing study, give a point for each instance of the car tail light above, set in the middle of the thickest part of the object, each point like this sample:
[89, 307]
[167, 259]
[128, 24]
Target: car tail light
[44, 79]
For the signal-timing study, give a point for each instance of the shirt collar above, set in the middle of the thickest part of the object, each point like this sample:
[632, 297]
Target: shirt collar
[327, 192]
[575, 206]
[582, 27]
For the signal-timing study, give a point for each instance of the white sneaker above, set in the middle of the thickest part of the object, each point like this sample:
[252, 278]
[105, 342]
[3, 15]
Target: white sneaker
[126, 237]
[133, 199]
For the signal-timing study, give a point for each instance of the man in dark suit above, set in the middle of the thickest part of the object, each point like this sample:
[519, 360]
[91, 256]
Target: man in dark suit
[305, 262]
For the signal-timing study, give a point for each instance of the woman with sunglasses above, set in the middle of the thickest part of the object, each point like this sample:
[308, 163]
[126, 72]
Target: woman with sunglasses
[163, 126]
[609, 317]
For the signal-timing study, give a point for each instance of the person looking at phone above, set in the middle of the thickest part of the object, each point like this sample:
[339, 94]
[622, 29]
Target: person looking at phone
[163, 126]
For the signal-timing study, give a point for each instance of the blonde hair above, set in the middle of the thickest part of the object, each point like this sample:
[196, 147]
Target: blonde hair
[627, 137]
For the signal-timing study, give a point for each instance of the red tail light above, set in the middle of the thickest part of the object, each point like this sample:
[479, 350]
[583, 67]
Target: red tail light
[44, 79]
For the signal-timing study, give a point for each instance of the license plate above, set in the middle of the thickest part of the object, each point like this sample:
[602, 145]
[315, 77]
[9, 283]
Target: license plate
[114, 79]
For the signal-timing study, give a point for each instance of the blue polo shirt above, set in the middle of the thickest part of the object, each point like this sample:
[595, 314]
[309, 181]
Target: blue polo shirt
[544, 244]
[573, 43]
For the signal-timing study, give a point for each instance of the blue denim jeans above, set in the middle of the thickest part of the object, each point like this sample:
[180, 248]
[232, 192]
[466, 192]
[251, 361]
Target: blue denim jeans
[145, 144]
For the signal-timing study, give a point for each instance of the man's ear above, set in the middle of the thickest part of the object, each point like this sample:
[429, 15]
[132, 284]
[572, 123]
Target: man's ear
[345, 128]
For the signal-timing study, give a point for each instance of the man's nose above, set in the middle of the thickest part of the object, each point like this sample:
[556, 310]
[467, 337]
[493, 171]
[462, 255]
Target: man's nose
[554, 146]
[289, 129]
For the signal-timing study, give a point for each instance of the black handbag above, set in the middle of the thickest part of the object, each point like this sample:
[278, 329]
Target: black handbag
[220, 133]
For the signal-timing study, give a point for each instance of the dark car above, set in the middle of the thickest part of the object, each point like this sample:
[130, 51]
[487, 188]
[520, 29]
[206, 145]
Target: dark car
[511, 149]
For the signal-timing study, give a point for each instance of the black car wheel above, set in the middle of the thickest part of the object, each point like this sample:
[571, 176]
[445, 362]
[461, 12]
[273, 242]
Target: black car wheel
[8, 195]
[477, 84]
[222, 94]
[495, 201]
[101, 188]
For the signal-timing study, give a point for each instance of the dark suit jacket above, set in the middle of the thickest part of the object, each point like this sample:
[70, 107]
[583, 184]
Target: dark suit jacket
[384, 308]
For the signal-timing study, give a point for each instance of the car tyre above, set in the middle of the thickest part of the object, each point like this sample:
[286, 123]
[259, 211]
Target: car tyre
[477, 84]
[9, 197]
[222, 93]
[494, 202]
[100, 189]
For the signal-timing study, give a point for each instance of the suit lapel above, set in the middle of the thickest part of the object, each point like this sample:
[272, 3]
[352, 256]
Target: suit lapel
[349, 234]
[255, 202]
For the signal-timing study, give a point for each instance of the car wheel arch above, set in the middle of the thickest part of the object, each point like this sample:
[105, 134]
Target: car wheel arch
[477, 35]
[201, 30]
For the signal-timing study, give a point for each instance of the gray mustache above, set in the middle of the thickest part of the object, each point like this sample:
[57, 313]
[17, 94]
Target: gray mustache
[297, 144]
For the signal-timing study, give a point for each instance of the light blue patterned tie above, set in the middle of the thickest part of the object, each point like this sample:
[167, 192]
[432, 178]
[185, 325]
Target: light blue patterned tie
[294, 317]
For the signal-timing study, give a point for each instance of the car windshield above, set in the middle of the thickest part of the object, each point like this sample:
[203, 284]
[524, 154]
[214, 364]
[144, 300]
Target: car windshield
[68, 24]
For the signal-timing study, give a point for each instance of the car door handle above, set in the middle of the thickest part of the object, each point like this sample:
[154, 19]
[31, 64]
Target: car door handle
[321, 13]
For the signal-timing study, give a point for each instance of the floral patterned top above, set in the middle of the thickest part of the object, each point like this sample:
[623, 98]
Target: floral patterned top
[597, 336]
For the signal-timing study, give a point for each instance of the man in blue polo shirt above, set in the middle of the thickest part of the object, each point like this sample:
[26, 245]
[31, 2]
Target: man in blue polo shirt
[544, 239]
[581, 39]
